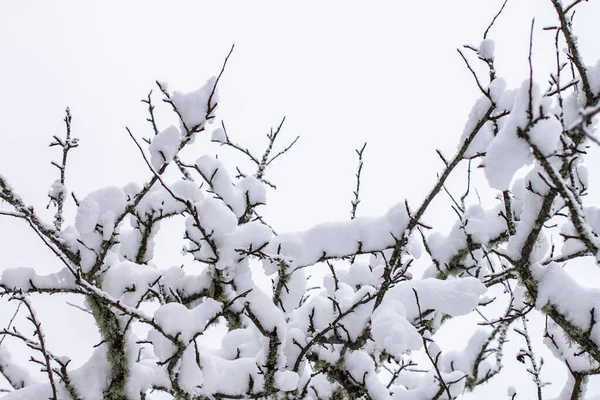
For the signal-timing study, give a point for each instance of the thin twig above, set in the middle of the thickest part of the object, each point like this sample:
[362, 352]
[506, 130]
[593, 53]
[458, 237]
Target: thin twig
[494, 20]
[42, 339]
[358, 175]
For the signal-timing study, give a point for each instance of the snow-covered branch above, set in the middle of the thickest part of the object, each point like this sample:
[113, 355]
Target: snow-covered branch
[355, 308]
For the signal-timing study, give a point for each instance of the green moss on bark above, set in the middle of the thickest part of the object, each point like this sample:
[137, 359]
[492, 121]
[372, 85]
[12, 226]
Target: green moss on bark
[114, 339]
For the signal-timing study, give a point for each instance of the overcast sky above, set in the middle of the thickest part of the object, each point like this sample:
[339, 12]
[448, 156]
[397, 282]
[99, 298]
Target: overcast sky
[342, 72]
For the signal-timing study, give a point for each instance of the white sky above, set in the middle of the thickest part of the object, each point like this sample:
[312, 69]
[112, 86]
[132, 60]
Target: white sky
[343, 73]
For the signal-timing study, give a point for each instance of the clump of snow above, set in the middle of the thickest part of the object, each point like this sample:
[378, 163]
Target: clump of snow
[286, 380]
[141, 376]
[181, 323]
[498, 95]
[22, 278]
[160, 202]
[217, 176]
[476, 115]
[322, 388]
[218, 135]
[90, 381]
[129, 281]
[175, 280]
[359, 274]
[359, 364]
[92, 378]
[193, 107]
[545, 134]
[465, 359]
[481, 141]
[361, 367]
[452, 296]
[479, 224]
[316, 312]
[164, 147]
[18, 278]
[528, 115]
[391, 331]
[506, 102]
[296, 284]
[190, 377]
[483, 225]
[177, 319]
[101, 207]
[500, 169]
[239, 343]
[132, 189]
[249, 191]
[593, 75]
[340, 238]
[57, 190]
[357, 320]
[12, 370]
[260, 304]
[252, 190]
[229, 376]
[529, 204]
[131, 241]
[486, 49]
[563, 349]
[575, 302]
[215, 217]
[497, 90]
[95, 222]
[250, 236]
[592, 217]
[572, 106]
[295, 338]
